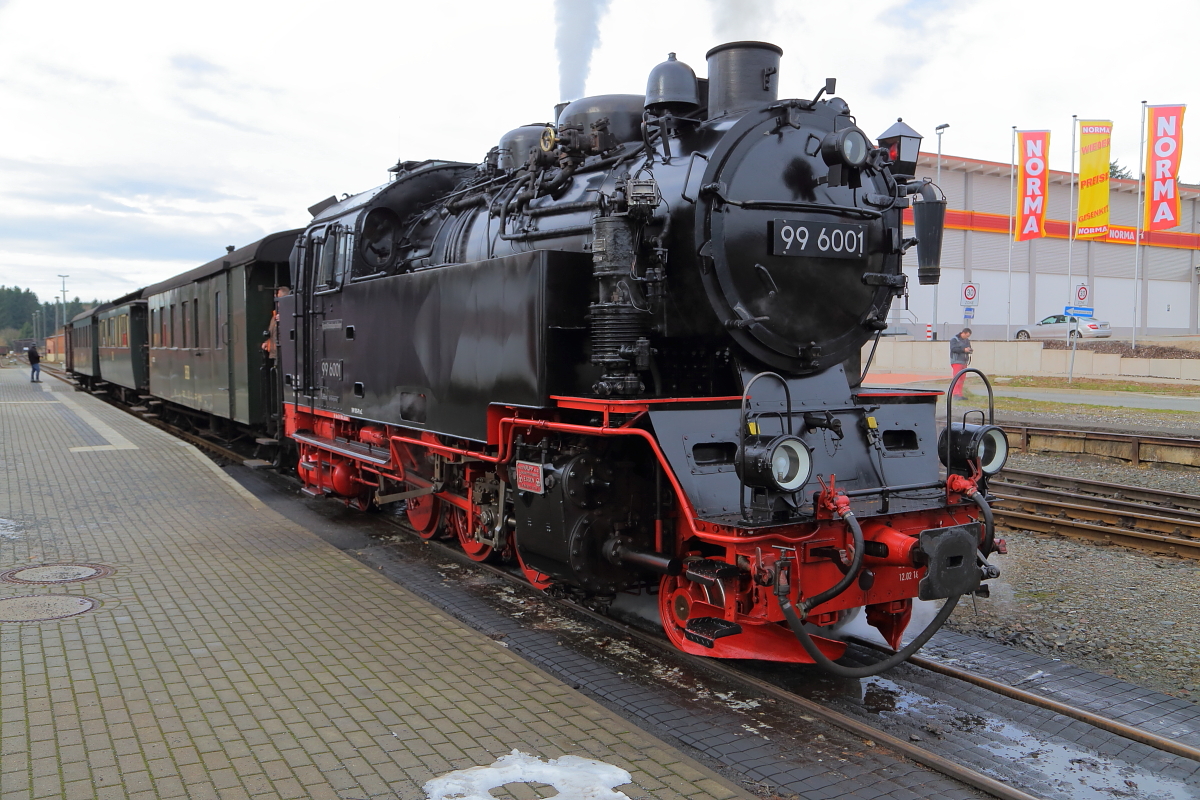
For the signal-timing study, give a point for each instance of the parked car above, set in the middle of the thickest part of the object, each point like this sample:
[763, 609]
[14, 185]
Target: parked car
[1057, 327]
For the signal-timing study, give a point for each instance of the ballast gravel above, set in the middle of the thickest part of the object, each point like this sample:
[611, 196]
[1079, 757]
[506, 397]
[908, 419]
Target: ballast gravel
[1109, 609]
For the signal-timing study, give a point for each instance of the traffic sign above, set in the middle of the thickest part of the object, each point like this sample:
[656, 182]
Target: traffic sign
[1079, 311]
[969, 296]
[969, 312]
[1082, 293]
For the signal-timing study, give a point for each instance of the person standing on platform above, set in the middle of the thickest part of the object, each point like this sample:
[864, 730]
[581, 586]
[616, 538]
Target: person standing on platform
[960, 356]
[35, 365]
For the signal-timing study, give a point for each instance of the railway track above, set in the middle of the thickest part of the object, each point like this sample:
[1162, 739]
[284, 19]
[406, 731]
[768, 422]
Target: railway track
[1106, 513]
[758, 686]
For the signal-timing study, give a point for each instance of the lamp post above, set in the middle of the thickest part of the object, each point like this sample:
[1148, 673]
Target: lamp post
[64, 299]
[938, 130]
[35, 324]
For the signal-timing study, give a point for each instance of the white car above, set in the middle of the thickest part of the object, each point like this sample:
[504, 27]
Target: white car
[1058, 326]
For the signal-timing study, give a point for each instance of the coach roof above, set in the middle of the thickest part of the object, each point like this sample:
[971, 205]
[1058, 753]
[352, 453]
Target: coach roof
[276, 247]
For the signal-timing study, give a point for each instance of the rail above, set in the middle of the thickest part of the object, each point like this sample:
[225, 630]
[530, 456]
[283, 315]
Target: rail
[1106, 513]
[1135, 448]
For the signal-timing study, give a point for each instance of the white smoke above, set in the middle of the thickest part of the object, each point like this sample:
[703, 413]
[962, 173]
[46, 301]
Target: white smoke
[578, 33]
[741, 20]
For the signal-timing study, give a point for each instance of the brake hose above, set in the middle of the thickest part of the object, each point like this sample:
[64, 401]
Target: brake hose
[989, 522]
[851, 573]
[823, 661]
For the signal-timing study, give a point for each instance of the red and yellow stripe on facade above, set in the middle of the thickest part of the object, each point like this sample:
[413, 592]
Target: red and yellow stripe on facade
[1061, 229]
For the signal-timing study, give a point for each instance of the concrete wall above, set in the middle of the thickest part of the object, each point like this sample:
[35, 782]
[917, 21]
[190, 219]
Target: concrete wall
[1024, 358]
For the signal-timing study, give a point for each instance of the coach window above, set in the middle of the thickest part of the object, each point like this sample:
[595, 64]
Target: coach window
[171, 326]
[124, 332]
[186, 318]
[217, 320]
[196, 322]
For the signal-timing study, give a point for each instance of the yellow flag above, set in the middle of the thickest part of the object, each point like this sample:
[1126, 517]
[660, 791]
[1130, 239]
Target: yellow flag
[1094, 139]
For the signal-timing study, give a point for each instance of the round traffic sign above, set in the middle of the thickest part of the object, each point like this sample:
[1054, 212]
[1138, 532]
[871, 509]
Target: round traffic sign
[1081, 293]
[969, 291]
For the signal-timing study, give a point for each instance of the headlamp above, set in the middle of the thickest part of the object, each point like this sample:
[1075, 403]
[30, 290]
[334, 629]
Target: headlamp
[783, 463]
[985, 445]
[848, 146]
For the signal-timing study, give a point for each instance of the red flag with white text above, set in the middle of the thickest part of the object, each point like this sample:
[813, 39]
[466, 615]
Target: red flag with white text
[1164, 132]
[1033, 174]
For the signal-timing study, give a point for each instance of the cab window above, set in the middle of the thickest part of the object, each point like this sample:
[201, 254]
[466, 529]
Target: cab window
[332, 261]
[1049, 321]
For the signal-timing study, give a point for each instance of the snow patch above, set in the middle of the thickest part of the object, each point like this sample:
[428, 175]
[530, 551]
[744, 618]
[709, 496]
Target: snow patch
[575, 778]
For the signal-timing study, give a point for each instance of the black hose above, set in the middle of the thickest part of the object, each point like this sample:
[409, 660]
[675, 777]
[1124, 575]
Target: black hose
[870, 358]
[851, 573]
[821, 660]
[989, 523]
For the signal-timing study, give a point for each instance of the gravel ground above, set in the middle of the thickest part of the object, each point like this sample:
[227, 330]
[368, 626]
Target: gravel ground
[1108, 609]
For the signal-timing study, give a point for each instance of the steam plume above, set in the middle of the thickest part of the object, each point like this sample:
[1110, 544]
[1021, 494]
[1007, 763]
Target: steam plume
[735, 20]
[578, 24]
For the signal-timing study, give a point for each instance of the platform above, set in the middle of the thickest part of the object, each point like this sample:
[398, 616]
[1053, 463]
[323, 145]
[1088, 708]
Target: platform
[207, 647]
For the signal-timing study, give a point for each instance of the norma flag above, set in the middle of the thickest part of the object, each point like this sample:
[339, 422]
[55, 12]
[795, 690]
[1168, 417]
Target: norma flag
[1033, 152]
[1165, 134]
[1094, 141]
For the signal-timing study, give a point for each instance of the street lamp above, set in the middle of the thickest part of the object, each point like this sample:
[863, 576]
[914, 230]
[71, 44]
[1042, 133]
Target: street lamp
[938, 130]
[64, 299]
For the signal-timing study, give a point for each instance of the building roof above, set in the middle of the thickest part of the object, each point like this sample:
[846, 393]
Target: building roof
[1187, 191]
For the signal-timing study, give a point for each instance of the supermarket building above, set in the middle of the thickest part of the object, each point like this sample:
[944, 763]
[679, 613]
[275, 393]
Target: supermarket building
[1044, 273]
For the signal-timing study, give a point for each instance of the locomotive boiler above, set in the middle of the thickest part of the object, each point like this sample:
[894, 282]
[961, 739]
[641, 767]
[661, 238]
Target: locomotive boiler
[623, 350]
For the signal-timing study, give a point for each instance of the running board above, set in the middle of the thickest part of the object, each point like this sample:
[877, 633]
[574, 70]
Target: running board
[354, 450]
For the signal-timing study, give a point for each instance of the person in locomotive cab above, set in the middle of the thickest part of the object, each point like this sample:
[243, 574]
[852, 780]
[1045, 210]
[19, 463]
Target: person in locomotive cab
[35, 365]
[960, 356]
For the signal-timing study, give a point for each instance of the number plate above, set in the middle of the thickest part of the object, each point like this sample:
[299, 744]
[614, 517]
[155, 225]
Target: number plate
[818, 239]
[529, 477]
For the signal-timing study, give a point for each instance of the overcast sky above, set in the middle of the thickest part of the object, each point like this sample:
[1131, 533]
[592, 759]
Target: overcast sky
[137, 139]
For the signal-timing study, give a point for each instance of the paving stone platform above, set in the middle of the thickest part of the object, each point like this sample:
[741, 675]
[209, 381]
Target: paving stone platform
[233, 654]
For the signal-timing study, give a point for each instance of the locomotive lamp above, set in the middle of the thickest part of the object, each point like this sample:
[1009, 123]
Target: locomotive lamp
[903, 145]
[848, 146]
[781, 462]
[986, 445]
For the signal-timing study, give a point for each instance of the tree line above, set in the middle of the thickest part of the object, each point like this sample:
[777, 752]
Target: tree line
[16, 313]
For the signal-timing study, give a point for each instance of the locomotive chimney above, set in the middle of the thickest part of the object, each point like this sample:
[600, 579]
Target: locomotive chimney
[741, 76]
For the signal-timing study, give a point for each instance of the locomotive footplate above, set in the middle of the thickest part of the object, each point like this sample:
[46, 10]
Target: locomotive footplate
[705, 631]
[950, 554]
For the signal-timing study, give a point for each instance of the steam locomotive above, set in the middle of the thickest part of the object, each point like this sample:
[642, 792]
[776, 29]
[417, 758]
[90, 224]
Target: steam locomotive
[623, 351]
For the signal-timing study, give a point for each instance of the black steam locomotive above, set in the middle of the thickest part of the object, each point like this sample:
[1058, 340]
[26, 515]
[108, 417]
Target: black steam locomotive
[623, 350]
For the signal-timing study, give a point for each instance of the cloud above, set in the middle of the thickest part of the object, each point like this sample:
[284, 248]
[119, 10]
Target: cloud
[97, 233]
[196, 65]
